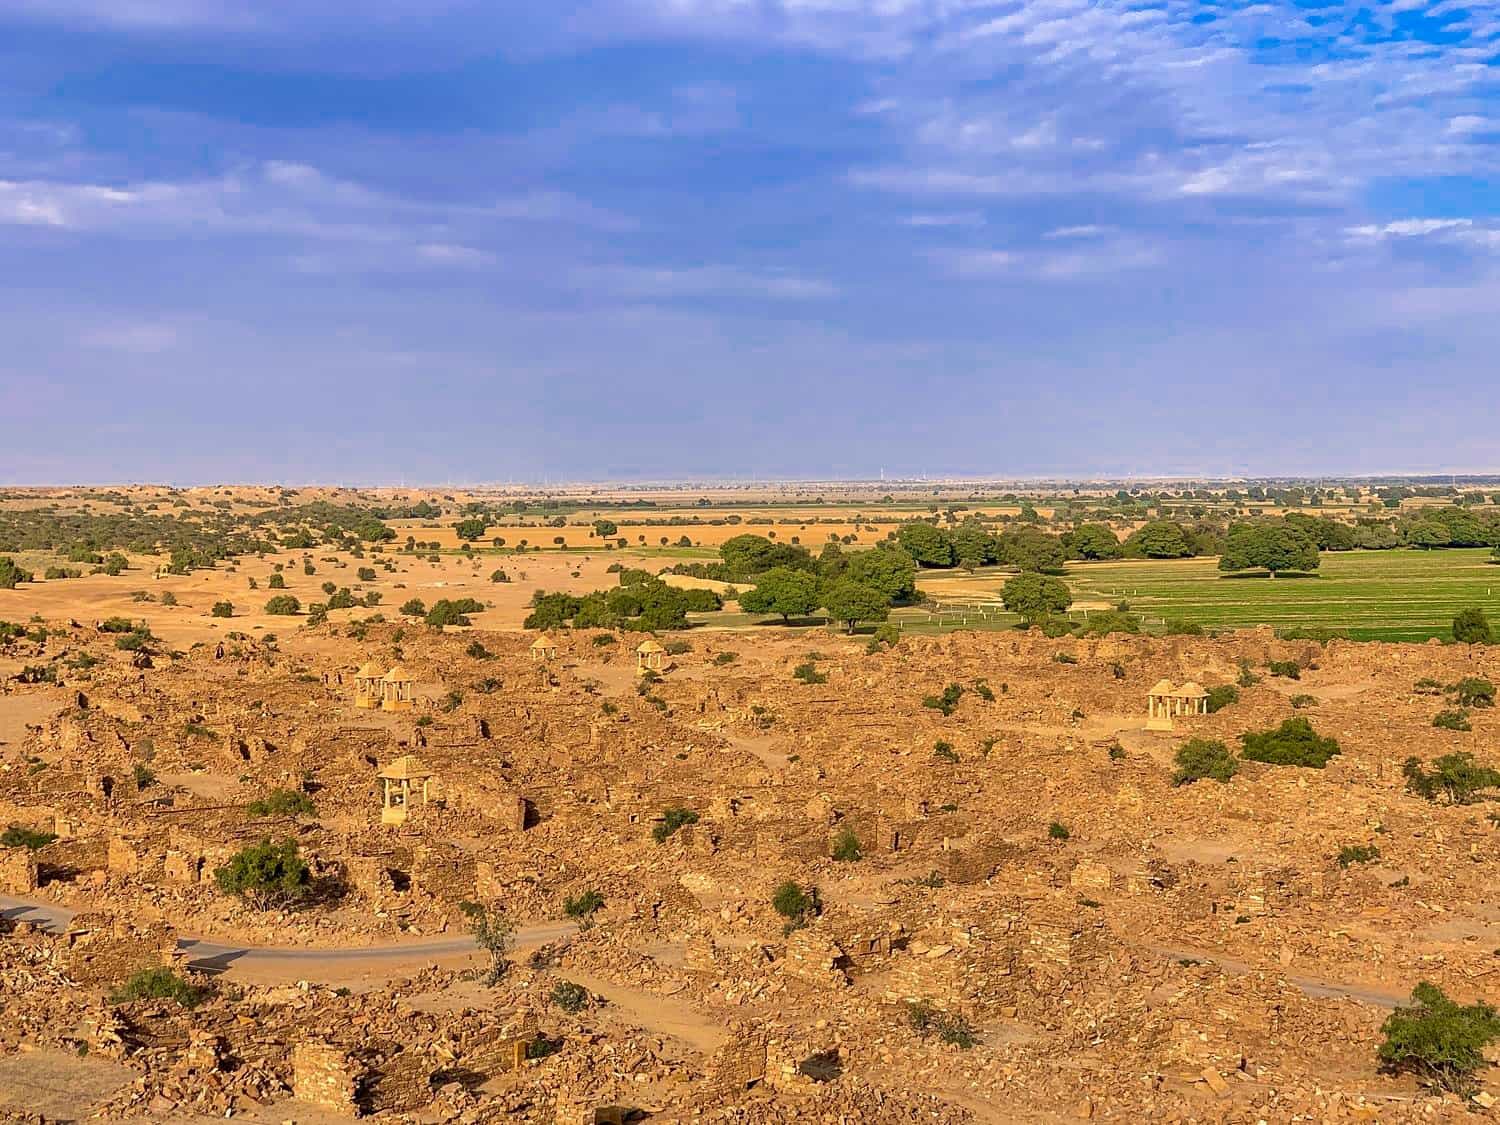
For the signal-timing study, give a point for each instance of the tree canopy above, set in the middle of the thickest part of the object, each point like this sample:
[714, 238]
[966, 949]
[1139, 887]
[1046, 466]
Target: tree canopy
[1273, 547]
[791, 593]
[1035, 596]
[852, 602]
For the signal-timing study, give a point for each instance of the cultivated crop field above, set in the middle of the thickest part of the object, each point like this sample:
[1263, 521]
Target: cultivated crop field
[1374, 595]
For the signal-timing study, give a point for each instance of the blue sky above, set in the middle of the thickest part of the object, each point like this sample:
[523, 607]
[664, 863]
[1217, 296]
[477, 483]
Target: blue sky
[484, 241]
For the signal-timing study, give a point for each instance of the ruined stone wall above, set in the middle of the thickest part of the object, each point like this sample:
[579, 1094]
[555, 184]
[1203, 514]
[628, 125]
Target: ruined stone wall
[103, 949]
[18, 871]
[326, 1076]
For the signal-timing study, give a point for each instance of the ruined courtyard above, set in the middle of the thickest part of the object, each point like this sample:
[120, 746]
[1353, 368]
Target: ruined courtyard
[1008, 910]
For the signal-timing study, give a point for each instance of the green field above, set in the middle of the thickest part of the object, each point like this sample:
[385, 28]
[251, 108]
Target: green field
[1372, 595]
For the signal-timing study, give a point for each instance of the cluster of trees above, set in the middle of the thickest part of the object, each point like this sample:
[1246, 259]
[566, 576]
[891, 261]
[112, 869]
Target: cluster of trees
[641, 603]
[851, 586]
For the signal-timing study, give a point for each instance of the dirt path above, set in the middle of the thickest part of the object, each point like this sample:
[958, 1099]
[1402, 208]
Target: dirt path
[651, 1012]
[298, 963]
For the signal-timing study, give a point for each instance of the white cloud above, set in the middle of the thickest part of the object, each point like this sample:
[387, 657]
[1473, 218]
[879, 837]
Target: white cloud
[647, 282]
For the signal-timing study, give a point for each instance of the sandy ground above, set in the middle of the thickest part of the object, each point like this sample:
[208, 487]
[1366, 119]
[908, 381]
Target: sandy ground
[96, 597]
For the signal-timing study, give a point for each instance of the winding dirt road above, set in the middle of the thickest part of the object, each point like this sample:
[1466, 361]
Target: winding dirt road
[215, 957]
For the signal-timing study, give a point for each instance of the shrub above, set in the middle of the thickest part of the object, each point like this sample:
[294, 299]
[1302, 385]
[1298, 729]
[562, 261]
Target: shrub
[276, 582]
[808, 673]
[477, 651]
[132, 642]
[580, 907]
[222, 609]
[1452, 720]
[117, 625]
[282, 802]
[846, 846]
[453, 612]
[1456, 778]
[1471, 627]
[18, 837]
[672, 819]
[169, 598]
[366, 574]
[499, 576]
[1474, 691]
[494, 933]
[944, 751]
[1056, 831]
[1221, 696]
[1300, 701]
[1294, 743]
[949, 1027]
[570, 997]
[413, 607]
[1288, 669]
[1358, 853]
[283, 605]
[793, 903]
[722, 658]
[157, 984]
[1201, 759]
[1437, 1040]
[947, 703]
[1177, 628]
[11, 574]
[265, 874]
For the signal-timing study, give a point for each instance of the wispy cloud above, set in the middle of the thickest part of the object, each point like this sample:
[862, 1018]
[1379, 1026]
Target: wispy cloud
[646, 282]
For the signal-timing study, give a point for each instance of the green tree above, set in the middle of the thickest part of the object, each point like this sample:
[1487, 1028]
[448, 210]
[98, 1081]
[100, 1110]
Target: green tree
[1031, 548]
[494, 933]
[605, 529]
[888, 569]
[222, 609]
[1456, 778]
[852, 602]
[1273, 547]
[1160, 539]
[790, 593]
[266, 874]
[1035, 596]
[470, 529]
[277, 581]
[1438, 1040]
[930, 546]
[1094, 541]
[413, 607]
[11, 574]
[283, 605]
[1471, 627]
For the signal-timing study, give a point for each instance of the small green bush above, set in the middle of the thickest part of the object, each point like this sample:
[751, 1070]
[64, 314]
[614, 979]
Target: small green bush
[1471, 627]
[671, 820]
[1294, 743]
[793, 903]
[1456, 778]
[1201, 759]
[944, 751]
[808, 673]
[1475, 692]
[222, 609]
[581, 907]
[1287, 669]
[17, 836]
[947, 703]
[283, 605]
[846, 846]
[157, 984]
[1057, 831]
[570, 997]
[1437, 1040]
[1358, 853]
[282, 802]
[1300, 701]
[276, 582]
[1452, 720]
